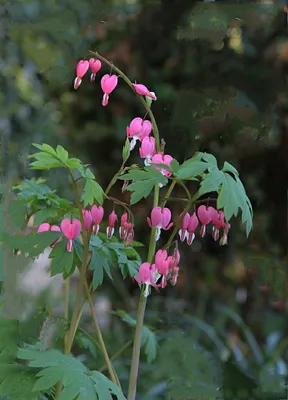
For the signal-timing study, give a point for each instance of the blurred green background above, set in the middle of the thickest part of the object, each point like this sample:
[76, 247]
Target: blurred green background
[219, 71]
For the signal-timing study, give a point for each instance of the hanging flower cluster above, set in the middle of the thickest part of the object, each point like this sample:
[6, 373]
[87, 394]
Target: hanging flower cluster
[71, 228]
[165, 267]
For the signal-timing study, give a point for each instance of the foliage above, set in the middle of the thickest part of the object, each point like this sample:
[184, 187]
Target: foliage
[77, 380]
[149, 341]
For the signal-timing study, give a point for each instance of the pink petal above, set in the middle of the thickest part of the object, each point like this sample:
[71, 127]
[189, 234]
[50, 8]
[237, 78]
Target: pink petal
[193, 223]
[204, 215]
[44, 227]
[76, 228]
[81, 68]
[97, 213]
[66, 228]
[166, 217]
[144, 272]
[156, 216]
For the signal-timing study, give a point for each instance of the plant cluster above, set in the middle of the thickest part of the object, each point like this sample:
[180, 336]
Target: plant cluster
[74, 233]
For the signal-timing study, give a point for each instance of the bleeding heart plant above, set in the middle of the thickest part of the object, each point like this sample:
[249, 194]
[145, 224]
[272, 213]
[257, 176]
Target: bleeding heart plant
[81, 243]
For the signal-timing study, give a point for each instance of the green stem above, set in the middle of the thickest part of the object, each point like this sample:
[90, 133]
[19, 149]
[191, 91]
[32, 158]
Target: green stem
[114, 180]
[168, 194]
[112, 374]
[59, 385]
[117, 354]
[141, 99]
[140, 315]
[77, 308]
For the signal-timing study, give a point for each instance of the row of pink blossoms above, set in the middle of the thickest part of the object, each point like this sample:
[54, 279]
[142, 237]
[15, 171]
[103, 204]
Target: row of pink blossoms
[160, 219]
[108, 82]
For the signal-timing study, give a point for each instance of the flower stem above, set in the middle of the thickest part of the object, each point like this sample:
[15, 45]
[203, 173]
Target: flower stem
[112, 374]
[129, 83]
[140, 315]
[168, 194]
[117, 354]
[66, 317]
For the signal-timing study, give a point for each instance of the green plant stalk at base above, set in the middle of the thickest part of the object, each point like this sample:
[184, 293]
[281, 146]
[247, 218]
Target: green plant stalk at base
[140, 315]
[112, 373]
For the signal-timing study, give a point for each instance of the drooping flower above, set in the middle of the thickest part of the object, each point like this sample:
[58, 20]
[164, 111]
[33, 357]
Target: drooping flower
[97, 213]
[173, 271]
[183, 228]
[192, 225]
[95, 66]
[87, 219]
[218, 223]
[81, 69]
[205, 218]
[143, 91]
[45, 227]
[108, 84]
[160, 158]
[167, 267]
[147, 149]
[126, 231]
[147, 274]
[70, 230]
[111, 224]
[138, 130]
[162, 263]
[224, 238]
[160, 219]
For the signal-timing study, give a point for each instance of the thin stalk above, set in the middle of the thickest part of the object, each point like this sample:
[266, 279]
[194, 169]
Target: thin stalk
[58, 388]
[77, 307]
[140, 315]
[117, 354]
[66, 305]
[100, 337]
[114, 180]
[168, 194]
[140, 98]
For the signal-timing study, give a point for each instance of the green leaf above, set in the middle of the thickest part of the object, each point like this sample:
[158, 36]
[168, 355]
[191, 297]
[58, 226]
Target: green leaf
[16, 382]
[31, 188]
[31, 244]
[174, 165]
[191, 168]
[232, 196]
[62, 260]
[211, 182]
[209, 158]
[145, 179]
[227, 197]
[45, 215]
[92, 192]
[229, 168]
[194, 373]
[149, 341]
[129, 267]
[99, 263]
[49, 158]
[62, 154]
[78, 382]
[9, 339]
